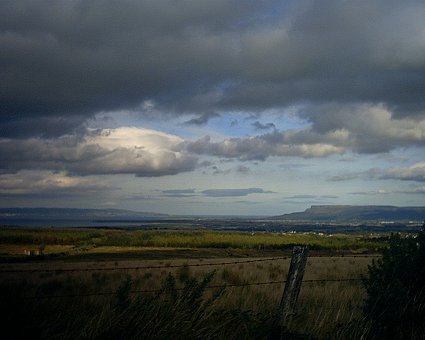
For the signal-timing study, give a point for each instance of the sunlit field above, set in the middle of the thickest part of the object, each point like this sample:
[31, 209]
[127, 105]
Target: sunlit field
[87, 241]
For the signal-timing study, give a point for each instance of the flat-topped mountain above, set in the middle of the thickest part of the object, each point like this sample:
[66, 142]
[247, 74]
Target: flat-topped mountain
[357, 213]
[71, 213]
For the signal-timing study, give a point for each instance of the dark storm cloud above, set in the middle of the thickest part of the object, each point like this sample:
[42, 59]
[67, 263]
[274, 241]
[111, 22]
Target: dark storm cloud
[259, 126]
[343, 177]
[217, 171]
[76, 58]
[42, 126]
[243, 169]
[234, 192]
[202, 119]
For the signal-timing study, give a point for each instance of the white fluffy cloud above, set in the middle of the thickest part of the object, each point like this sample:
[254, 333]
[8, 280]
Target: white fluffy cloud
[124, 150]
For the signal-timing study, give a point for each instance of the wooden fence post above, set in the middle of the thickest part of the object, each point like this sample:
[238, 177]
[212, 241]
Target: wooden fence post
[292, 287]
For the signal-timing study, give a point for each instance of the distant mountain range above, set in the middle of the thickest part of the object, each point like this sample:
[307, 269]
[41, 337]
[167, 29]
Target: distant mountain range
[341, 213]
[75, 214]
[316, 213]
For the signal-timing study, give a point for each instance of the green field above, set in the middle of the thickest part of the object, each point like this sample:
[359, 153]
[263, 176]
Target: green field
[80, 242]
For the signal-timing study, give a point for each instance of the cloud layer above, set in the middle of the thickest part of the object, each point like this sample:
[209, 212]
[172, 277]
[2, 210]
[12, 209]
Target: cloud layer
[146, 153]
[46, 183]
[333, 129]
[223, 86]
[65, 61]
[182, 193]
[416, 172]
[234, 192]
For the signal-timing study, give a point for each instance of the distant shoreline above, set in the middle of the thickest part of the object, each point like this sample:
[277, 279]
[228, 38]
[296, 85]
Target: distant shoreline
[223, 224]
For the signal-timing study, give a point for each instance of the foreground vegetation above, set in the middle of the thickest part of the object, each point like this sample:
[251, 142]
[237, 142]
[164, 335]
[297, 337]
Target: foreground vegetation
[345, 295]
[396, 290]
[57, 304]
[167, 314]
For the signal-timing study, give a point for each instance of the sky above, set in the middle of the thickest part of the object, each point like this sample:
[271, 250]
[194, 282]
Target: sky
[235, 107]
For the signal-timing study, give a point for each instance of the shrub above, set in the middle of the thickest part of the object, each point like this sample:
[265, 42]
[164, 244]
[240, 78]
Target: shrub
[395, 287]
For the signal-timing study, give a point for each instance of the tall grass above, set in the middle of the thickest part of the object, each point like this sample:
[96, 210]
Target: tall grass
[183, 307]
[171, 313]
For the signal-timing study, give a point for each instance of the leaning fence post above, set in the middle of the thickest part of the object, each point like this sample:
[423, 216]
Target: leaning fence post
[292, 286]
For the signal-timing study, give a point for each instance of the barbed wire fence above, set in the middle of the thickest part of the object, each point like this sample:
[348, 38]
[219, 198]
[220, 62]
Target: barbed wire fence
[175, 266]
[90, 269]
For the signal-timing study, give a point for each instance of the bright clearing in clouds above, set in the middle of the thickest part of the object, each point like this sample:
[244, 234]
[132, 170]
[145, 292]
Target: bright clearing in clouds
[212, 107]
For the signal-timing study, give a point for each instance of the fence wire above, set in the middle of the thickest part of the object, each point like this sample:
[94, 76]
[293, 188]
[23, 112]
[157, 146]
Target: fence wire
[159, 290]
[66, 270]
[70, 270]
[222, 286]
